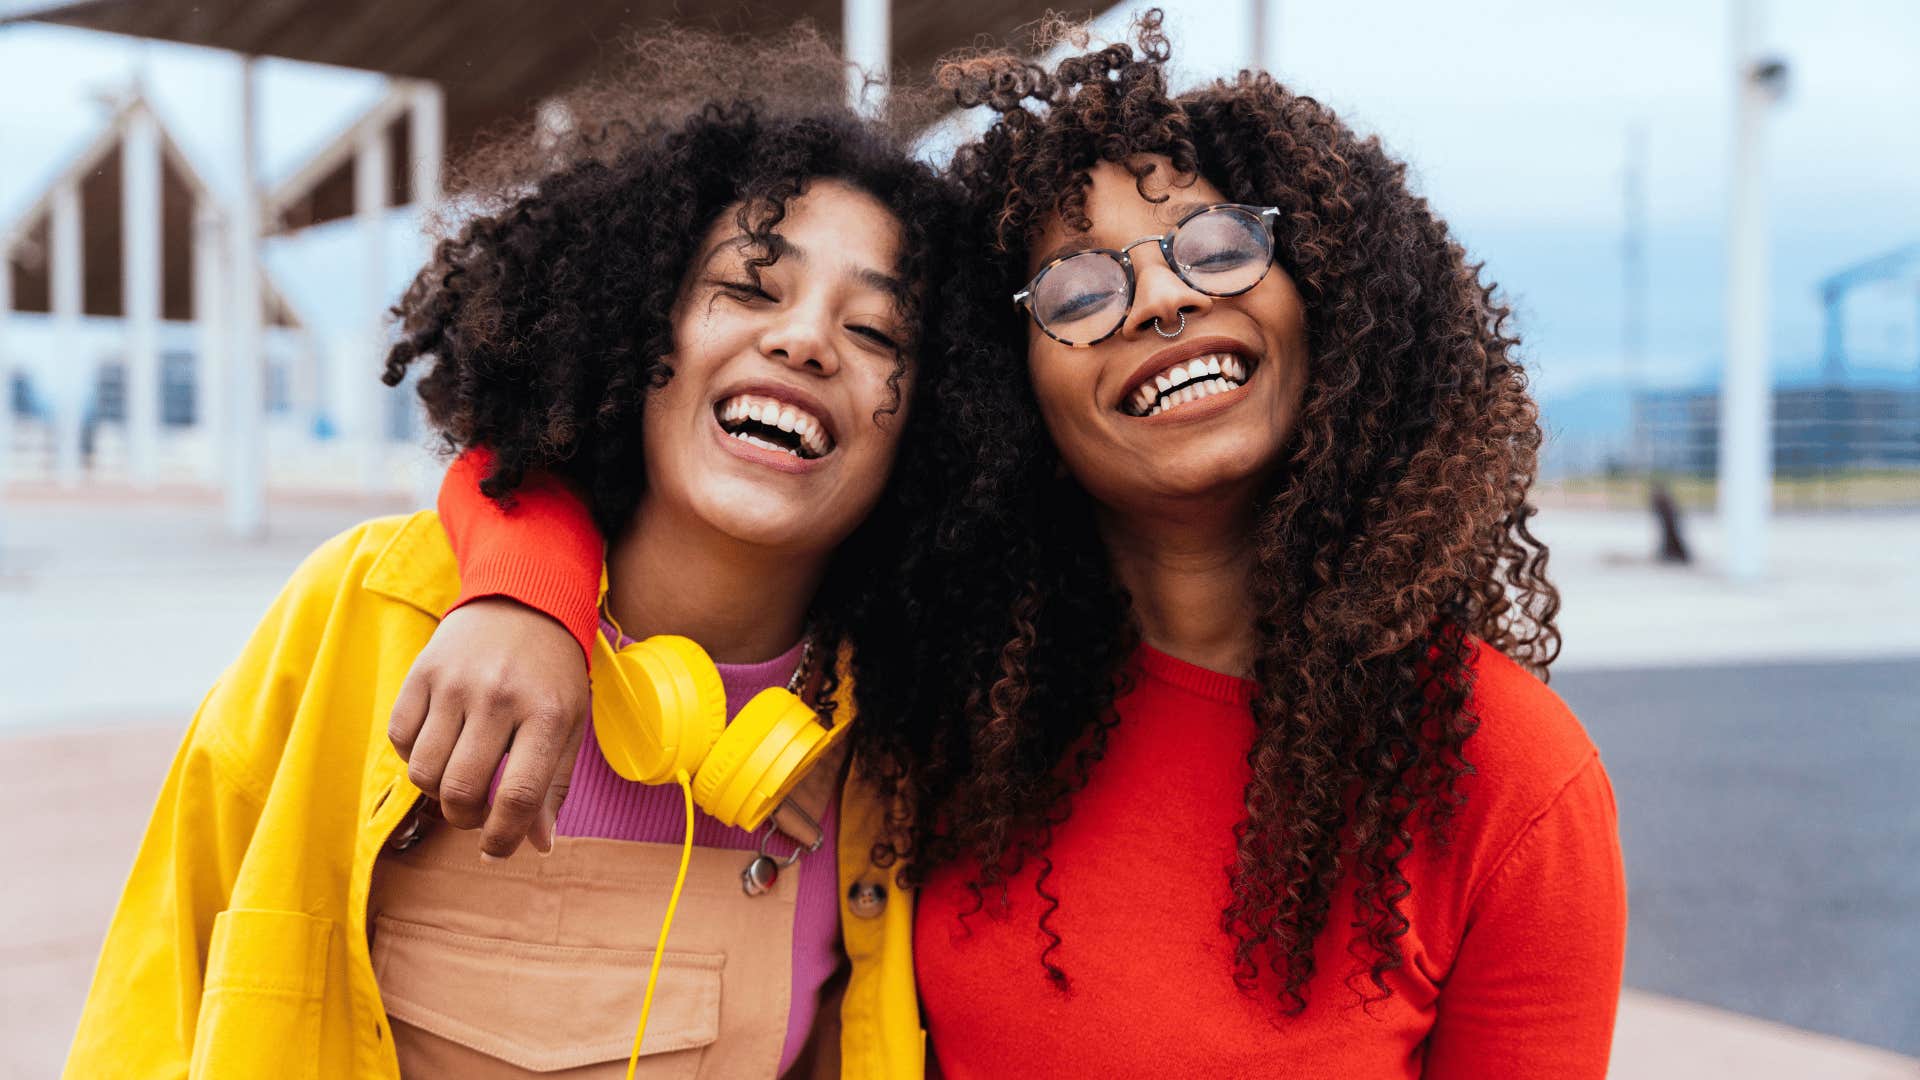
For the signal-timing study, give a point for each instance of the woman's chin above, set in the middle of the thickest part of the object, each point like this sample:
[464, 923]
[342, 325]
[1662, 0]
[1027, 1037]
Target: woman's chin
[764, 520]
[1197, 474]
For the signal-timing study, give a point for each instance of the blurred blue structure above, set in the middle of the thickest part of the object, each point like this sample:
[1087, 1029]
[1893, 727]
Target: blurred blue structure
[1833, 294]
[1816, 429]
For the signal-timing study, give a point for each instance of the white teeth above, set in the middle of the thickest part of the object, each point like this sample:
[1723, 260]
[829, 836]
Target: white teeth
[808, 428]
[1201, 377]
[762, 443]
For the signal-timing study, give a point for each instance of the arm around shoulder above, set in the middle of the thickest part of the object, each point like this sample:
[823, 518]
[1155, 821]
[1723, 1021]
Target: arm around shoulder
[543, 552]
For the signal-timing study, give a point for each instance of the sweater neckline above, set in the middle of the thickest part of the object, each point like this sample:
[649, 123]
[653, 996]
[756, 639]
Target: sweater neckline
[1201, 682]
[773, 672]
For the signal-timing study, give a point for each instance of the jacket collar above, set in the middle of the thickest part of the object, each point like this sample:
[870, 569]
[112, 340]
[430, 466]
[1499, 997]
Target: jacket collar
[417, 567]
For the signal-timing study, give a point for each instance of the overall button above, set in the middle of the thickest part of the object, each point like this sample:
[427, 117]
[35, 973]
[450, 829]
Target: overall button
[867, 898]
[411, 828]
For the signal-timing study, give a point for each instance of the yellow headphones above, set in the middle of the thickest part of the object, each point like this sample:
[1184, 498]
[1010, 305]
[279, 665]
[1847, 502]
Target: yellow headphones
[660, 711]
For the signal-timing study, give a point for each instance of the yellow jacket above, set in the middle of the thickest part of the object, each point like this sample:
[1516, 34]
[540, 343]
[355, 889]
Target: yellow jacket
[240, 946]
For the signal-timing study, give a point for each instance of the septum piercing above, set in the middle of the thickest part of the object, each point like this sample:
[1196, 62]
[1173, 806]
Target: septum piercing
[1176, 333]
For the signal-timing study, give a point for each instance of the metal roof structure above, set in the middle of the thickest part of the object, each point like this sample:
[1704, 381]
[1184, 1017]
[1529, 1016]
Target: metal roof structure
[497, 59]
[97, 174]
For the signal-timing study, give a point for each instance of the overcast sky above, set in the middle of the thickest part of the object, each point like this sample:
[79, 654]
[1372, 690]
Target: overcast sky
[1513, 114]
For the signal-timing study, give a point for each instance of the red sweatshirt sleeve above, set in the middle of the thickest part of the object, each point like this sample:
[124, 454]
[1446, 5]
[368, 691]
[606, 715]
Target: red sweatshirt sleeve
[544, 552]
[1536, 984]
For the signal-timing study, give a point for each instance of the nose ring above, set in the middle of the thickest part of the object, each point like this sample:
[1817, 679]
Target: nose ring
[1176, 333]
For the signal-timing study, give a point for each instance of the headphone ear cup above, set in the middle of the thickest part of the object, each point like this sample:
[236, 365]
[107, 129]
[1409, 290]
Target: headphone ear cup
[758, 760]
[658, 707]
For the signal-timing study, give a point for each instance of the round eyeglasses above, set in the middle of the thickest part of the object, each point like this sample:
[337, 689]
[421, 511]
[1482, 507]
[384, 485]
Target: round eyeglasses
[1083, 297]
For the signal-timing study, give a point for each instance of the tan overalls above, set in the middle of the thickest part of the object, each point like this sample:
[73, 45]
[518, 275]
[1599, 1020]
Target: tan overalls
[537, 966]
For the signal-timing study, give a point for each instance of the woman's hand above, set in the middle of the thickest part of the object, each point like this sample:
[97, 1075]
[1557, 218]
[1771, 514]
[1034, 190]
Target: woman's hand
[497, 676]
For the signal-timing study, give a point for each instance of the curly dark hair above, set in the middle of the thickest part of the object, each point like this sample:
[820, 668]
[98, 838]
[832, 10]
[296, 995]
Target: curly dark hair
[1394, 532]
[545, 312]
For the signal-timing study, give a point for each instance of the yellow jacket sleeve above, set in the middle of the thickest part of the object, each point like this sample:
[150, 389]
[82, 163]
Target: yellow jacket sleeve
[142, 1011]
[139, 1016]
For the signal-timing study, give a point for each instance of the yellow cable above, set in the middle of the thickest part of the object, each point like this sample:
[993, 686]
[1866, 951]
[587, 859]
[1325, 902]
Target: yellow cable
[660, 948]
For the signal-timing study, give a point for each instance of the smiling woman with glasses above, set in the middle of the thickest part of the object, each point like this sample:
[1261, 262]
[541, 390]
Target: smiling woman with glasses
[1257, 774]
[1081, 297]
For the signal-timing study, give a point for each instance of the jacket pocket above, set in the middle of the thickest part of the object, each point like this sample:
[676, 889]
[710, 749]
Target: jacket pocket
[541, 1008]
[261, 1001]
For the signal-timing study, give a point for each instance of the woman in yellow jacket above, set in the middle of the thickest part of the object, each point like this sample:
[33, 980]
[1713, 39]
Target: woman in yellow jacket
[708, 325]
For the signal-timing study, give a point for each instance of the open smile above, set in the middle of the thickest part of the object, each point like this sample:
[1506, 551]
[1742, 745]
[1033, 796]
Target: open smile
[1181, 378]
[778, 426]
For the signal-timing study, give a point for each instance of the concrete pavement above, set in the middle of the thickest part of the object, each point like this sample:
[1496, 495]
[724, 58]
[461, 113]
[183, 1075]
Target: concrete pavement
[1771, 836]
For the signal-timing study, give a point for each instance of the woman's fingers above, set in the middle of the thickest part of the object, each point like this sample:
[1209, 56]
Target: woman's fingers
[496, 674]
[484, 736]
[534, 759]
[409, 712]
[434, 746]
[543, 825]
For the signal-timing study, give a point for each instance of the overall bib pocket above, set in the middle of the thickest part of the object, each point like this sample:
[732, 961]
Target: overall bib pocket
[486, 1006]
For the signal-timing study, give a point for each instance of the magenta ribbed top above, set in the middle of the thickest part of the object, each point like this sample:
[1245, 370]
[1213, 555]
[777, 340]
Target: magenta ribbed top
[600, 803]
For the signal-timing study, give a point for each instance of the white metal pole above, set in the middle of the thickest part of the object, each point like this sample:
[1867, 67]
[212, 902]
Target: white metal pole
[141, 271]
[372, 186]
[1633, 311]
[6, 386]
[1263, 36]
[246, 450]
[1746, 397]
[427, 141]
[73, 372]
[213, 326]
[868, 30]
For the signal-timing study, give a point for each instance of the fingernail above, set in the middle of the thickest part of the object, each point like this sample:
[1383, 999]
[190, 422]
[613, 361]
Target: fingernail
[490, 857]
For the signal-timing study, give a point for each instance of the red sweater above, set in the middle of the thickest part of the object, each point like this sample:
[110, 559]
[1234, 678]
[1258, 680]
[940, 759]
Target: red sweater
[544, 552]
[1513, 957]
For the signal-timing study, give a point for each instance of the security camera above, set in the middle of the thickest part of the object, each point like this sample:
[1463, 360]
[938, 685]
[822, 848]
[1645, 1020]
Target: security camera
[1769, 75]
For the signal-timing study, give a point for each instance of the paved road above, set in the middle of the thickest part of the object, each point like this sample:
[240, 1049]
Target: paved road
[1772, 837]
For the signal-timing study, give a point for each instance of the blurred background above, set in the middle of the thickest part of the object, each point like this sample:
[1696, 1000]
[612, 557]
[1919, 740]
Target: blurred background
[1705, 215]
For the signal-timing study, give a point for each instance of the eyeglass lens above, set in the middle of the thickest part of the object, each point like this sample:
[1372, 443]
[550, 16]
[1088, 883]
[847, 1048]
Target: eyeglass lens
[1084, 298]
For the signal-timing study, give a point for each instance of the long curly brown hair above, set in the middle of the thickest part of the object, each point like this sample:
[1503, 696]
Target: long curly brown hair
[1393, 533]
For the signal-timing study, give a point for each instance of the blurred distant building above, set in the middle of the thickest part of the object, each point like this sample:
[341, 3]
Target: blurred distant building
[1816, 429]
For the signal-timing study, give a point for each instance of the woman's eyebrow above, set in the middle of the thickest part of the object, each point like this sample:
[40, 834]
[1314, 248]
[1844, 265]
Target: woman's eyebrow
[878, 280]
[1075, 243]
[1172, 212]
[1167, 212]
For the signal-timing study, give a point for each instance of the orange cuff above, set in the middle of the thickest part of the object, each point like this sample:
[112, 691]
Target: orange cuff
[544, 552]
